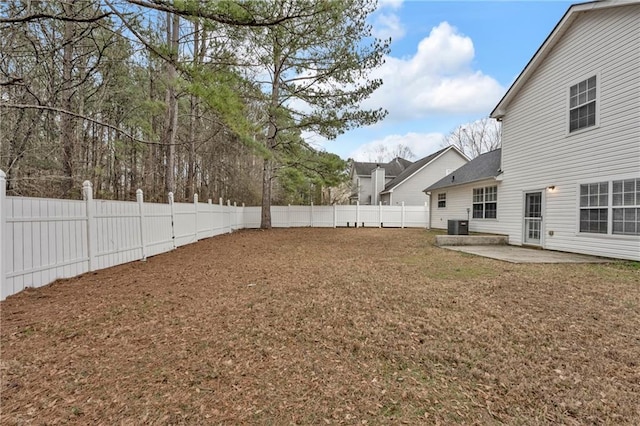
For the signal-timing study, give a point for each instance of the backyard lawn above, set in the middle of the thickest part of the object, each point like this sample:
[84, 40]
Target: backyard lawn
[325, 326]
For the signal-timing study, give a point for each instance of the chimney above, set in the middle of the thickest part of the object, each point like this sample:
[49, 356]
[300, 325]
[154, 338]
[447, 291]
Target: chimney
[377, 183]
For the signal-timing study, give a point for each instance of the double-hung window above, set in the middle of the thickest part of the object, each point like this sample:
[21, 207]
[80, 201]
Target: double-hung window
[594, 200]
[626, 206]
[485, 202]
[582, 104]
[611, 207]
[442, 200]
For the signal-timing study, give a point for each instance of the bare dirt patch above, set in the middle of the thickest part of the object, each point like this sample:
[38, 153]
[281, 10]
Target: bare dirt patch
[313, 326]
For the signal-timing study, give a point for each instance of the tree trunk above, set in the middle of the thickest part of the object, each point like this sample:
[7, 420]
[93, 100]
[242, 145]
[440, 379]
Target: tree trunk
[171, 115]
[267, 170]
[193, 108]
[265, 218]
[66, 121]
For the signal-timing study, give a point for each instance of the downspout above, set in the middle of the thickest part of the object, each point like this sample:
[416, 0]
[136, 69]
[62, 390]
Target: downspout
[428, 194]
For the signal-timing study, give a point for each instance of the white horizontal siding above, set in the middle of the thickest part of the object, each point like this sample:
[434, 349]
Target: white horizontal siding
[365, 189]
[459, 199]
[537, 150]
[411, 190]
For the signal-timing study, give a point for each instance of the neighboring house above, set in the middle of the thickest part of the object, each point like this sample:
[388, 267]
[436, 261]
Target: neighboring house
[570, 157]
[469, 192]
[368, 179]
[401, 181]
[407, 186]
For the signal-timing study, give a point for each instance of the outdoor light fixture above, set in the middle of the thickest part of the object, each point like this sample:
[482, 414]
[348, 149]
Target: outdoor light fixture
[551, 188]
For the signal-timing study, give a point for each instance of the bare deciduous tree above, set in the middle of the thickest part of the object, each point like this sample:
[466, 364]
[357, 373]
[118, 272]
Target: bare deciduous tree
[475, 138]
[381, 153]
[137, 94]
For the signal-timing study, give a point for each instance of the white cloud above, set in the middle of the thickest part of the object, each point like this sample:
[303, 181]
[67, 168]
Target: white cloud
[421, 144]
[438, 78]
[315, 140]
[391, 4]
[388, 25]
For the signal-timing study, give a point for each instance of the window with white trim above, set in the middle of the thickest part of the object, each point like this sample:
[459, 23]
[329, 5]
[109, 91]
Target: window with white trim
[485, 202]
[442, 200]
[611, 207]
[582, 104]
[626, 206]
[594, 200]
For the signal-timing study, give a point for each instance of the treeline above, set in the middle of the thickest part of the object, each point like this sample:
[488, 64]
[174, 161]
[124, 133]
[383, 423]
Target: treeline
[190, 97]
[207, 97]
[86, 102]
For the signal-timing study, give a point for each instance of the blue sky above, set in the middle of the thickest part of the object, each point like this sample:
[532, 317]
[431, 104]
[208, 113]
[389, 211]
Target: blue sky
[450, 63]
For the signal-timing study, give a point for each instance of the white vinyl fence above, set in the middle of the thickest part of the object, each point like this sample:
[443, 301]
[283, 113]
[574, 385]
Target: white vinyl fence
[42, 240]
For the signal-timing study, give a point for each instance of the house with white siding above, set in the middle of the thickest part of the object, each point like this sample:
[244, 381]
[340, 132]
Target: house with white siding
[401, 181]
[570, 160]
[408, 185]
[368, 179]
[469, 193]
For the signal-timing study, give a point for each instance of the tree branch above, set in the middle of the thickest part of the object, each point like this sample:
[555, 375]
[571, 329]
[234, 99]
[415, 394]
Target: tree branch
[84, 117]
[250, 21]
[39, 16]
[12, 81]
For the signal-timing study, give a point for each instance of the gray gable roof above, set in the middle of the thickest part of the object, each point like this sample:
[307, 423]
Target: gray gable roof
[411, 170]
[391, 169]
[484, 166]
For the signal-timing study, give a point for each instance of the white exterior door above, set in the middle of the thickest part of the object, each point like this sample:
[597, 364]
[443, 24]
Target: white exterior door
[533, 218]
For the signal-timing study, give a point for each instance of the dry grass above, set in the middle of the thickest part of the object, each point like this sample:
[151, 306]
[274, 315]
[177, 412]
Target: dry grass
[311, 326]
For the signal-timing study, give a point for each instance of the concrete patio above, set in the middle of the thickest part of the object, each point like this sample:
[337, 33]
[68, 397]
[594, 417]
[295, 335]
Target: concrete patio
[517, 254]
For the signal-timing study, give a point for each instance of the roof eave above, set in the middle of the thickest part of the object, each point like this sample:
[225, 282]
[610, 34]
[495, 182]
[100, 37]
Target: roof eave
[497, 178]
[567, 19]
[444, 151]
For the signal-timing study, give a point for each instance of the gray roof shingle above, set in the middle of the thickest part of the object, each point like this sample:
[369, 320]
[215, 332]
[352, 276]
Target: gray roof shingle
[391, 169]
[484, 166]
[411, 170]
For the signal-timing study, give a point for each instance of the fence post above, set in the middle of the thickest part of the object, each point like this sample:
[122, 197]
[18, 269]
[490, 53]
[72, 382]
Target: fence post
[3, 245]
[244, 225]
[195, 220]
[173, 220]
[357, 213]
[213, 216]
[335, 215]
[229, 213]
[143, 240]
[380, 214]
[235, 215]
[87, 194]
[288, 215]
[402, 223]
[311, 216]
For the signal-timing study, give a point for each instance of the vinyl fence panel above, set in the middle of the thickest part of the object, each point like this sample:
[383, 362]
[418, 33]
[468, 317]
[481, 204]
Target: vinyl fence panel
[42, 240]
[322, 216]
[184, 223]
[369, 216]
[416, 216]
[157, 228]
[251, 217]
[279, 216]
[118, 233]
[391, 216]
[346, 215]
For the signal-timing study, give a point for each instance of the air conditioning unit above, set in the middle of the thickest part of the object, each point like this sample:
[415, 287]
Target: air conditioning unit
[458, 227]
